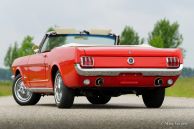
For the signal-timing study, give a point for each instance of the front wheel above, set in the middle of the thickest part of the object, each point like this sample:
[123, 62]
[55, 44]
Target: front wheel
[63, 95]
[154, 98]
[22, 95]
[98, 99]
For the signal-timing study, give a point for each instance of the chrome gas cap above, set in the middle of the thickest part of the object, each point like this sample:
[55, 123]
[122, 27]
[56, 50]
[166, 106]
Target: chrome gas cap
[131, 60]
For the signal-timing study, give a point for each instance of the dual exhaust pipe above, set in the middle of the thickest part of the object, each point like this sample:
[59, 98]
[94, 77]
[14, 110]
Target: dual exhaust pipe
[157, 82]
[99, 82]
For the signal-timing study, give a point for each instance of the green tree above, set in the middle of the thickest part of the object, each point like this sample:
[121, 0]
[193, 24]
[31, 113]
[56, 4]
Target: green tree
[50, 29]
[26, 46]
[11, 55]
[15, 52]
[130, 37]
[165, 35]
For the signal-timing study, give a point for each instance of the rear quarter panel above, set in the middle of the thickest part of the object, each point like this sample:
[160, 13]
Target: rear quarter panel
[64, 58]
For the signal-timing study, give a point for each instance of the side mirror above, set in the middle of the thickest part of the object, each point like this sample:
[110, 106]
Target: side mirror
[35, 49]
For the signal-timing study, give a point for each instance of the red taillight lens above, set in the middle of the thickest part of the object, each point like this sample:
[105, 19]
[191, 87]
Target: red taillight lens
[87, 61]
[172, 62]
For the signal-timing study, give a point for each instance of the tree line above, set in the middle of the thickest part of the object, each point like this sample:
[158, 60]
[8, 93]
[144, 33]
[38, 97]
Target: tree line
[164, 35]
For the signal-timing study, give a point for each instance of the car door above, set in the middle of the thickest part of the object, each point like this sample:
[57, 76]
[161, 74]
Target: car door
[37, 67]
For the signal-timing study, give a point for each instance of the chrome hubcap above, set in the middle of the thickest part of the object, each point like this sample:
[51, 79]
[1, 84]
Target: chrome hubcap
[58, 88]
[21, 93]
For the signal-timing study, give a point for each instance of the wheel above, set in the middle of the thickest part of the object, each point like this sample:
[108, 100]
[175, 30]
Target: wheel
[63, 95]
[98, 99]
[154, 98]
[22, 95]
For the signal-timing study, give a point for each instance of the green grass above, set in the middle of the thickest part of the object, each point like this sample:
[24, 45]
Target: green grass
[184, 87]
[5, 88]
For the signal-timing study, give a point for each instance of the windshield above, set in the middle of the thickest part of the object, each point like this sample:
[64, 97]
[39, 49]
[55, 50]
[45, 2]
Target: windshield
[58, 40]
[85, 39]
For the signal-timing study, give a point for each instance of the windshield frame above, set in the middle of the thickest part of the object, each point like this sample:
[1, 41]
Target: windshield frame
[111, 36]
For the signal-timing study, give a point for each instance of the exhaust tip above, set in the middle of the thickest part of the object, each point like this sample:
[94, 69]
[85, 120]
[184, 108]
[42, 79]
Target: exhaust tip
[99, 82]
[158, 82]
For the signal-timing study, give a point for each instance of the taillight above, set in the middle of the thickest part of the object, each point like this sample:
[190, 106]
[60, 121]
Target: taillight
[172, 62]
[87, 61]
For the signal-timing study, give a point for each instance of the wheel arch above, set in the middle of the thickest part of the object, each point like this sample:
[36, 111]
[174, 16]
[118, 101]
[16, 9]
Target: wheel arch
[54, 70]
[18, 71]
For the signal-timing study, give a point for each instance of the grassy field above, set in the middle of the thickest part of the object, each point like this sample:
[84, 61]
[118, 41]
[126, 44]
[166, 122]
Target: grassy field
[184, 87]
[5, 88]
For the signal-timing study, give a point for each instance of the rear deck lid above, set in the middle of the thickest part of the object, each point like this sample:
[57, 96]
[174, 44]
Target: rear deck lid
[120, 56]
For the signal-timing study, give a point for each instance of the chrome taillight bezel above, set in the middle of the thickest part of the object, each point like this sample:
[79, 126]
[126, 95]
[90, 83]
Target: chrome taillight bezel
[172, 62]
[87, 59]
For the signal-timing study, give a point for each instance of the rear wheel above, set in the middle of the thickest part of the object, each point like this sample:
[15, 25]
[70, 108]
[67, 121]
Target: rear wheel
[98, 99]
[63, 95]
[153, 98]
[22, 95]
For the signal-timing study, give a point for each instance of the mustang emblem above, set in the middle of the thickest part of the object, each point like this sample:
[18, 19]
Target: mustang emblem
[129, 52]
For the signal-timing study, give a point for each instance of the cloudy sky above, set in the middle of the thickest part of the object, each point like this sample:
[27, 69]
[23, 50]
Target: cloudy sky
[19, 18]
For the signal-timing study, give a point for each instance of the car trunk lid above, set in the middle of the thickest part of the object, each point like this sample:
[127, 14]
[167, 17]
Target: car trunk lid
[119, 56]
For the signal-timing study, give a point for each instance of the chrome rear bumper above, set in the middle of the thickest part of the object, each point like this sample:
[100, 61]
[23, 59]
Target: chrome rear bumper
[117, 71]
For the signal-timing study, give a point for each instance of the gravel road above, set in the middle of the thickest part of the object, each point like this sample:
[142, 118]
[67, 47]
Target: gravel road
[122, 112]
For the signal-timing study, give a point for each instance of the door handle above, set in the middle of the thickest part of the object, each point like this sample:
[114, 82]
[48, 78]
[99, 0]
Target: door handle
[44, 55]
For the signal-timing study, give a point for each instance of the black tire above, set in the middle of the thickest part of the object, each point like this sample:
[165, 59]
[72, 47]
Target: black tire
[98, 99]
[32, 98]
[153, 98]
[64, 96]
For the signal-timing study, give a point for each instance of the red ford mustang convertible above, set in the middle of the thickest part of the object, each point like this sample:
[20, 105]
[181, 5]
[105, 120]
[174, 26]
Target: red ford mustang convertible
[91, 63]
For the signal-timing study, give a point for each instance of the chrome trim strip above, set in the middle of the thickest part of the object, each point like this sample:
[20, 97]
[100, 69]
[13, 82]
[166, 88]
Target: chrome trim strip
[41, 90]
[117, 71]
[39, 81]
